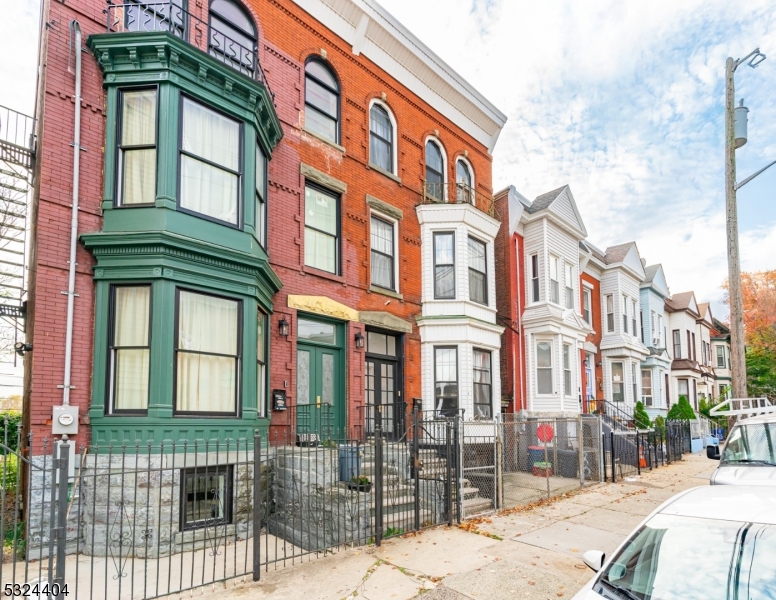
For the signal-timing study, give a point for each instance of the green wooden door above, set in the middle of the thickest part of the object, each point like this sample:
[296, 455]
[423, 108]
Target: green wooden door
[320, 389]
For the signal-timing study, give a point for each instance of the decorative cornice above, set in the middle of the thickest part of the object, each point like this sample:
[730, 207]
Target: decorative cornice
[323, 306]
[322, 178]
[154, 56]
[384, 207]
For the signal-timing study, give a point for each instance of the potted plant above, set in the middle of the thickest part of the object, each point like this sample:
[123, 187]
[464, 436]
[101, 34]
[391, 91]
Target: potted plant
[360, 484]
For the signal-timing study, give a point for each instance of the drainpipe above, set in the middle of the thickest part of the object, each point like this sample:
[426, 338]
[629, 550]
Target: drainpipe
[76, 29]
[521, 381]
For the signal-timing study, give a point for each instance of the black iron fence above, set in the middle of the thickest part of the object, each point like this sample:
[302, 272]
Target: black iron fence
[148, 520]
[628, 453]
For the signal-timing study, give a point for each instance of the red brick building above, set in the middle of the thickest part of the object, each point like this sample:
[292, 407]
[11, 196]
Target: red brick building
[313, 250]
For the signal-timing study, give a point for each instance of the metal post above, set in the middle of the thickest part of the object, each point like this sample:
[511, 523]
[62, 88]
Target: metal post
[449, 472]
[581, 443]
[378, 478]
[737, 350]
[416, 461]
[499, 495]
[63, 465]
[638, 452]
[256, 505]
[547, 470]
[614, 460]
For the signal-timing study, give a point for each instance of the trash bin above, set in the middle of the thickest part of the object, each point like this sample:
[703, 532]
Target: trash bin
[349, 462]
[536, 454]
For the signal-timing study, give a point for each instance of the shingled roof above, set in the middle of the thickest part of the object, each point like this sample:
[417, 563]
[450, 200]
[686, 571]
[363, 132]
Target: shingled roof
[544, 201]
[615, 254]
[650, 272]
[679, 301]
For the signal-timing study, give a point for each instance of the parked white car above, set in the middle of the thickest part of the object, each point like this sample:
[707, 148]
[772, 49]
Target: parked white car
[749, 456]
[707, 543]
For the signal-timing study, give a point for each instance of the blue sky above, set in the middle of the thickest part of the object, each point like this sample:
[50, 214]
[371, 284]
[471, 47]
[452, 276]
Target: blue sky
[621, 100]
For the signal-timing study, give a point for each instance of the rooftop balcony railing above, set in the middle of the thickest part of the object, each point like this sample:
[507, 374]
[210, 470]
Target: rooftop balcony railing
[171, 17]
[458, 193]
[17, 137]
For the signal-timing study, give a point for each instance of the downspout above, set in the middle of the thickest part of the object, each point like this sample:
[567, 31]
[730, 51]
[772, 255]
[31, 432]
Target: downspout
[521, 381]
[75, 28]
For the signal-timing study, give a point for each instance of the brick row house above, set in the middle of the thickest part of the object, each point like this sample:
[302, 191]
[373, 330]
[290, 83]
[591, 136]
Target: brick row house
[286, 219]
[590, 329]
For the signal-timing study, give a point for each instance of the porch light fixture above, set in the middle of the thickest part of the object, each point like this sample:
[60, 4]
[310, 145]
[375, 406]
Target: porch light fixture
[283, 327]
[359, 340]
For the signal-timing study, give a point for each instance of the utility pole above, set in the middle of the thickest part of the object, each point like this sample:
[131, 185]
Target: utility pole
[737, 348]
[735, 137]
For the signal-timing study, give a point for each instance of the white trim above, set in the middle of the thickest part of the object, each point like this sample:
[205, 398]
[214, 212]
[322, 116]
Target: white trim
[393, 221]
[422, 71]
[392, 118]
[468, 164]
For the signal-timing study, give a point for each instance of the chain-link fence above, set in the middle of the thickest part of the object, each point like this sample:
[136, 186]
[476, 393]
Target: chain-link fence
[512, 462]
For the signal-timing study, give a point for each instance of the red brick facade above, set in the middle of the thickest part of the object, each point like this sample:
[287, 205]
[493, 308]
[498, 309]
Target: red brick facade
[287, 37]
[594, 338]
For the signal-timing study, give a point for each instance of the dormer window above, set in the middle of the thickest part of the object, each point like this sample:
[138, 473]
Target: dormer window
[554, 283]
[624, 313]
[233, 38]
[569, 286]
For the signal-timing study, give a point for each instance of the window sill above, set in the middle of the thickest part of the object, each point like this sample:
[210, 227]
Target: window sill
[388, 174]
[326, 141]
[323, 274]
[378, 290]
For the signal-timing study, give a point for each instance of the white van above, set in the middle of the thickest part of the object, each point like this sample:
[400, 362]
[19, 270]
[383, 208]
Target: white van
[749, 455]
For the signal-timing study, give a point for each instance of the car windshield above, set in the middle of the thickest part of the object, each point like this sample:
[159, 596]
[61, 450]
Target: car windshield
[689, 558]
[751, 444]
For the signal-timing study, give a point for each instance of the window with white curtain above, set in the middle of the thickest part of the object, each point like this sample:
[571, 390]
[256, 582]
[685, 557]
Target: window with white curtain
[554, 283]
[383, 248]
[210, 163]
[483, 402]
[446, 380]
[261, 197]
[380, 138]
[444, 265]
[567, 370]
[321, 230]
[207, 353]
[569, 285]
[137, 148]
[618, 382]
[478, 272]
[544, 375]
[261, 365]
[130, 348]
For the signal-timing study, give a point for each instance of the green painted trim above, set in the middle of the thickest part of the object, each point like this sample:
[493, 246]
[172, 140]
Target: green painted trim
[146, 57]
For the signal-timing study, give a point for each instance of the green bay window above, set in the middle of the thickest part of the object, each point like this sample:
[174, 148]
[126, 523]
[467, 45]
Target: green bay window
[130, 348]
[137, 148]
[209, 163]
[261, 365]
[207, 354]
[261, 197]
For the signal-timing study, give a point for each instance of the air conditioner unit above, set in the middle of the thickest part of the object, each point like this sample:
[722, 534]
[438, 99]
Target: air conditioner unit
[655, 342]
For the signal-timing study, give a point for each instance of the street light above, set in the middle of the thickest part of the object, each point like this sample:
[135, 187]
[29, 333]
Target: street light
[735, 137]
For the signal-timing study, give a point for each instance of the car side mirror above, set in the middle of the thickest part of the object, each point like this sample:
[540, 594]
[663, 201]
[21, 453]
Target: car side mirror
[712, 452]
[594, 559]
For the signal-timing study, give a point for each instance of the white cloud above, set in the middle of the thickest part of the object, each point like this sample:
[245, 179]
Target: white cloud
[623, 101]
[19, 47]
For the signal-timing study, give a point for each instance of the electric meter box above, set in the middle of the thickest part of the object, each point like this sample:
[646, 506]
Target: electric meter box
[65, 420]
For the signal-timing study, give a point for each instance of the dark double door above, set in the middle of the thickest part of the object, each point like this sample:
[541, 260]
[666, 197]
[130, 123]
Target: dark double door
[384, 404]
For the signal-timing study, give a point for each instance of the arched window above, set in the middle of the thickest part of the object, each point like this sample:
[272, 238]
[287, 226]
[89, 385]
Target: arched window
[380, 138]
[464, 182]
[233, 37]
[321, 100]
[435, 171]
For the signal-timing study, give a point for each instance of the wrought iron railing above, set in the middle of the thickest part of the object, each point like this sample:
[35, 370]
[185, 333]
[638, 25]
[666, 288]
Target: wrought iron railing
[458, 193]
[17, 137]
[173, 18]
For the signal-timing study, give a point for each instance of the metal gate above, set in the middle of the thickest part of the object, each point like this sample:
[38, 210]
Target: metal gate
[142, 521]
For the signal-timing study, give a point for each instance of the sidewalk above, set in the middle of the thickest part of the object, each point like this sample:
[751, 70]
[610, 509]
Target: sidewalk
[533, 554]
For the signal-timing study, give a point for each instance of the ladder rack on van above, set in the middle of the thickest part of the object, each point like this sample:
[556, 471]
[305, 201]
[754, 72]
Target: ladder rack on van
[745, 407]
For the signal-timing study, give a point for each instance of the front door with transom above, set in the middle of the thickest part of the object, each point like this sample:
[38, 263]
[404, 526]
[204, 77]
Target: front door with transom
[382, 384]
[320, 398]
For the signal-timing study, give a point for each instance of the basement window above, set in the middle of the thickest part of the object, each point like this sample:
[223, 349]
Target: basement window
[206, 497]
